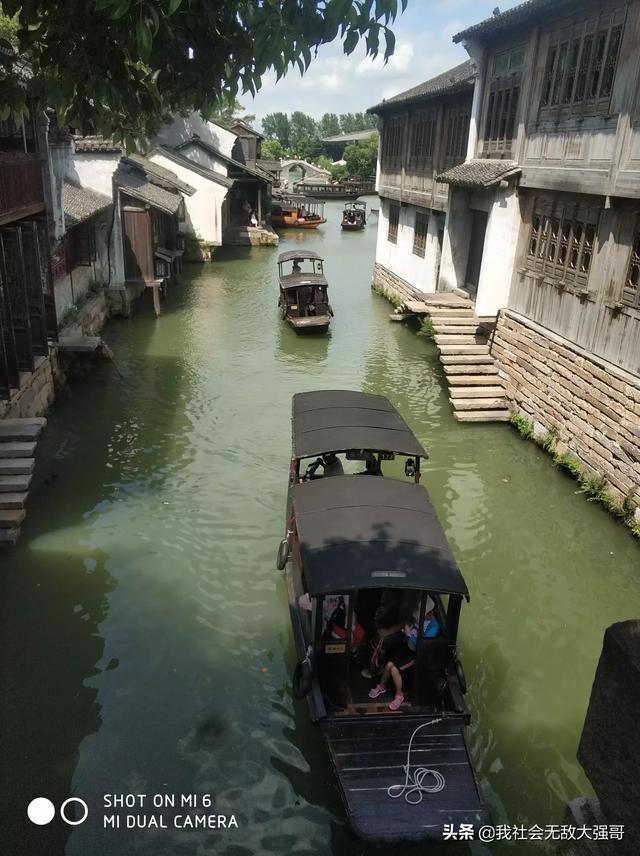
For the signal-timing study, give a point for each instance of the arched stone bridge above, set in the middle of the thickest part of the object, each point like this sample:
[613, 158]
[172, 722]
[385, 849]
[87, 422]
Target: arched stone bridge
[308, 170]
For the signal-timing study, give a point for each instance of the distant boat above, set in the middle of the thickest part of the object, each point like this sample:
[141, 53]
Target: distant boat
[326, 189]
[303, 291]
[354, 216]
[297, 212]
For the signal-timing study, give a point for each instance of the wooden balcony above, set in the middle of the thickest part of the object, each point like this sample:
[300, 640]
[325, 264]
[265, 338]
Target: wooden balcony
[21, 193]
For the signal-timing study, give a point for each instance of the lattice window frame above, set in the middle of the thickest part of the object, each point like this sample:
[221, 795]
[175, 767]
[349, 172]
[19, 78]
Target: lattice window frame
[503, 100]
[631, 287]
[394, 223]
[392, 141]
[420, 231]
[562, 242]
[422, 140]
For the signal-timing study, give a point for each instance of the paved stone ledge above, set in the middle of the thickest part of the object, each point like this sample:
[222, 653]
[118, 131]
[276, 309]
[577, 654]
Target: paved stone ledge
[595, 413]
[393, 287]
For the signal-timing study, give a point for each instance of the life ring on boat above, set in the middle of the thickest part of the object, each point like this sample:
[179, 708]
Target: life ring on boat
[283, 555]
[301, 682]
[462, 680]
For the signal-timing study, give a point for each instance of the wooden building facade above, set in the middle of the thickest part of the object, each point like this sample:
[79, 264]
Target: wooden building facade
[423, 131]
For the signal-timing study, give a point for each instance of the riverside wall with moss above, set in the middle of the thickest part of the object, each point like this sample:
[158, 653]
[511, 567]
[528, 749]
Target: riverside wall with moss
[585, 411]
[392, 286]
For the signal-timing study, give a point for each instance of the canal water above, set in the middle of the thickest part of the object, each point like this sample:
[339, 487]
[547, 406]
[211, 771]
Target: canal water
[146, 646]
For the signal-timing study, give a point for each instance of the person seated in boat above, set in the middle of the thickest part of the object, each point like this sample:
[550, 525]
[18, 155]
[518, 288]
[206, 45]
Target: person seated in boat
[331, 466]
[296, 266]
[372, 467]
[401, 658]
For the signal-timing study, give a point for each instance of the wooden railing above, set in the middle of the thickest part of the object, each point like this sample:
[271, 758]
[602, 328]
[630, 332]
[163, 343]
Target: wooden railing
[20, 185]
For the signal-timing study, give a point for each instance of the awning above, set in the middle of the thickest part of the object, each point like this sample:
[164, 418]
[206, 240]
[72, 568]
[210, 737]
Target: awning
[364, 531]
[479, 173]
[290, 255]
[338, 420]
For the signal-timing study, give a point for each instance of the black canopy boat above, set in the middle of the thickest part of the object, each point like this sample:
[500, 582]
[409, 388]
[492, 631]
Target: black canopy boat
[351, 543]
[354, 216]
[303, 291]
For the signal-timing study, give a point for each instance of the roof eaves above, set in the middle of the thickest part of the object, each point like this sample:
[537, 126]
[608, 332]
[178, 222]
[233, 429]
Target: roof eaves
[503, 20]
[187, 163]
[450, 82]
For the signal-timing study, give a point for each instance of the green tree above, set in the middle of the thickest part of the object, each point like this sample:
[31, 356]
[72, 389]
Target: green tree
[276, 126]
[361, 157]
[8, 27]
[347, 123]
[304, 139]
[329, 125]
[273, 149]
[123, 66]
[229, 110]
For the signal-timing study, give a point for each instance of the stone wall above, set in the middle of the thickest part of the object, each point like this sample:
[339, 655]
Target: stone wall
[592, 406]
[90, 317]
[393, 287]
[36, 393]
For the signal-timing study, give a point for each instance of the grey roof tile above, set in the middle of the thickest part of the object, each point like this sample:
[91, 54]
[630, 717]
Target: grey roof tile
[80, 204]
[479, 173]
[133, 182]
[96, 143]
[503, 20]
[459, 77]
[157, 173]
[180, 159]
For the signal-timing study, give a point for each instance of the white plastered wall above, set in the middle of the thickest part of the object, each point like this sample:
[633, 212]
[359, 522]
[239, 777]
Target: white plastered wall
[498, 259]
[71, 288]
[399, 258]
[94, 170]
[183, 128]
[204, 208]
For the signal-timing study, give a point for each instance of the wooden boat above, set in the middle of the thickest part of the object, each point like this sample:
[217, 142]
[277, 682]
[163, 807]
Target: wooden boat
[354, 216]
[326, 189]
[303, 291]
[355, 546]
[297, 212]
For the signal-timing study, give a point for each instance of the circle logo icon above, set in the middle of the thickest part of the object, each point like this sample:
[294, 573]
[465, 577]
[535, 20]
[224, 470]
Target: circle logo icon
[41, 811]
[69, 802]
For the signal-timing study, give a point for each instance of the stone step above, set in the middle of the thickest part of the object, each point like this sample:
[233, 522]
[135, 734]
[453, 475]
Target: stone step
[476, 392]
[457, 340]
[452, 309]
[16, 466]
[484, 371]
[454, 318]
[9, 537]
[478, 403]
[21, 429]
[472, 379]
[445, 302]
[11, 518]
[13, 500]
[469, 359]
[17, 450]
[14, 484]
[455, 329]
[463, 348]
[482, 415]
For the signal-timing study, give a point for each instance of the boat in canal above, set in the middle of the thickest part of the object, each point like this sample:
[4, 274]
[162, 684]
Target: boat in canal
[354, 216]
[326, 189]
[304, 301]
[355, 550]
[297, 212]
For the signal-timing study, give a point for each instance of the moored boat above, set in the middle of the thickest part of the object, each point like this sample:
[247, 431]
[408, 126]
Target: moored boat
[354, 216]
[367, 564]
[297, 212]
[303, 291]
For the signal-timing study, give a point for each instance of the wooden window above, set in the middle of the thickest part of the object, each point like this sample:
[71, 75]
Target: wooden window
[631, 288]
[423, 128]
[392, 140]
[394, 219]
[503, 101]
[581, 66]
[457, 136]
[420, 234]
[562, 241]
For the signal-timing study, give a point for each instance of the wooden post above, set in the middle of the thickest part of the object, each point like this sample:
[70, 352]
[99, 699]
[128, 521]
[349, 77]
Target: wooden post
[259, 204]
[156, 298]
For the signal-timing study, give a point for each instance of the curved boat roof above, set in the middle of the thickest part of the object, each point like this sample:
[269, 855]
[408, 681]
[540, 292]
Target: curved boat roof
[362, 531]
[340, 419]
[291, 255]
[296, 280]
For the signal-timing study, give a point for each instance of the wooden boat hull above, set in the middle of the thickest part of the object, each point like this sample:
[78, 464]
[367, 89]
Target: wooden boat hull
[312, 324]
[368, 754]
[297, 224]
[353, 227]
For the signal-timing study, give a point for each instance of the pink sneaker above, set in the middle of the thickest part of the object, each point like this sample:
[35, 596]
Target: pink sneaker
[398, 699]
[377, 691]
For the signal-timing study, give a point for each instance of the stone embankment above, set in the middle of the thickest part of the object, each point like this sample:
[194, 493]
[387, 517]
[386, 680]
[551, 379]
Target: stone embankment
[591, 408]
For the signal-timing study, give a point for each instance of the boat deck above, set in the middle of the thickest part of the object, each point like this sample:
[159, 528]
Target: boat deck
[369, 755]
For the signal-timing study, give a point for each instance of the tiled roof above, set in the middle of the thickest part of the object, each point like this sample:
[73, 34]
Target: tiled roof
[354, 135]
[132, 181]
[268, 164]
[95, 143]
[479, 173]
[207, 147]
[158, 174]
[503, 20]
[245, 127]
[80, 204]
[453, 80]
[187, 163]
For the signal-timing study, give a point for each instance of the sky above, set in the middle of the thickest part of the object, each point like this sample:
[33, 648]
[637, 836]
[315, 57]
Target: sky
[335, 83]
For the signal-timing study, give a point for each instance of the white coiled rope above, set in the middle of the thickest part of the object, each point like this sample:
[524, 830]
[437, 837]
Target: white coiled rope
[414, 786]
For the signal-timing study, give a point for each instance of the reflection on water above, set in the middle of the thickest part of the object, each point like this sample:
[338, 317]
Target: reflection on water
[145, 637]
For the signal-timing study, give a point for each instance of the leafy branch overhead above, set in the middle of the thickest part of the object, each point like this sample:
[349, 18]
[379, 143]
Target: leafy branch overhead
[119, 66]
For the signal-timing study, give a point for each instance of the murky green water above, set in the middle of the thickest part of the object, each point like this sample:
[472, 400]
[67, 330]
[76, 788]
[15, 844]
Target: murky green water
[145, 637]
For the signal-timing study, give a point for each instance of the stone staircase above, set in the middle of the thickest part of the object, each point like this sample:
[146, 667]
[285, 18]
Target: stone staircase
[476, 392]
[18, 440]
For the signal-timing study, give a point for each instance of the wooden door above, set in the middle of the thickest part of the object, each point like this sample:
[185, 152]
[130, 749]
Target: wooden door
[476, 247]
[138, 244]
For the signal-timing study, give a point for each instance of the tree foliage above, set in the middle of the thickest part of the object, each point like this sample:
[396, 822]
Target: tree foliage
[361, 157]
[351, 122]
[122, 66]
[272, 149]
[276, 126]
[230, 110]
[329, 125]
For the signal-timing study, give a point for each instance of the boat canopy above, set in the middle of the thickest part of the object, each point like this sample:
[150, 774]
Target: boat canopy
[359, 532]
[297, 280]
[292, 255]
[355, 206]
[339, 420]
